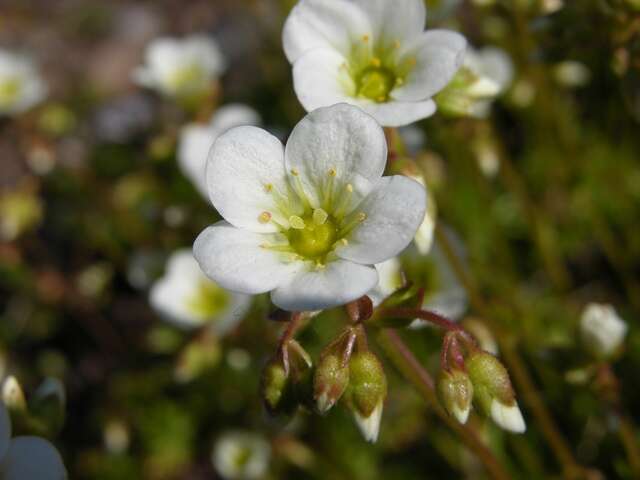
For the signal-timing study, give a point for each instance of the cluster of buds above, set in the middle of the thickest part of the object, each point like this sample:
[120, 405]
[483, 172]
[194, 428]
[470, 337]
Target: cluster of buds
[346, 371]
[470, 374]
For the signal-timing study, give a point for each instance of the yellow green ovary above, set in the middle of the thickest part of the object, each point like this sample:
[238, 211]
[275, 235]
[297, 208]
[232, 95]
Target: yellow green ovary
[376, 83]
[314, 241]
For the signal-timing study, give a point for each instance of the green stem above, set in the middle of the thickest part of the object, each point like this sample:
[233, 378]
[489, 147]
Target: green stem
[412, 370]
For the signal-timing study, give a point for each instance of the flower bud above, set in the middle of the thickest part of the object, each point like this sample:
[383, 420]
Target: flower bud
[493, 390]
[366, 393]
[602, 330]
[456, 393]
[274, 384]
[330, 381]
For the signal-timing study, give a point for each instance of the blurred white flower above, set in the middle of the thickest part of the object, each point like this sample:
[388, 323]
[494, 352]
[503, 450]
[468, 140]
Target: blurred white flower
[307, 222]
[241, 455]
[485, 74]
[371, 53]
[603, 331]
[188, 299]
[21, 86]
[390, 279]
[27, 457]
[443, 293]
[181, 67]
[196, 140]
[571, 74]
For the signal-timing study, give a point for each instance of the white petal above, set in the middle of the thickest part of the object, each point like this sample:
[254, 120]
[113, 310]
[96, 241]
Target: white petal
[395, 209]
[235, 312]
[438, 55]
[370, 426]
[234, 259]
[323, 23]
[5, 430]
[338, 283]
[340, 138]
[497, 65]
[397, 20]
[241, 164]
[32, 458]
[196, 140]
[395, 113]
[320, 79]
[508, 417]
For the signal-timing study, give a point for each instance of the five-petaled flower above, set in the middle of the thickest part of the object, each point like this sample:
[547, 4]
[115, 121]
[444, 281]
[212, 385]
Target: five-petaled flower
[371, 53]
[181, 68]
[309, 221]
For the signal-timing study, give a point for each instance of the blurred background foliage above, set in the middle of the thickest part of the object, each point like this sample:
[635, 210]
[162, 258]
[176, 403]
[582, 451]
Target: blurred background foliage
[92, 203]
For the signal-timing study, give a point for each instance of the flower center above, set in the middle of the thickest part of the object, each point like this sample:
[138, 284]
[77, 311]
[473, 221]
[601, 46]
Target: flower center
[9, 91]
[375, 83]
[316, 237]
[187, 77]
[207, 301]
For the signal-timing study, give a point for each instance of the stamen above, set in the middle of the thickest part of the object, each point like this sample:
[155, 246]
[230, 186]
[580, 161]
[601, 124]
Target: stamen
[376, 62]
[353, 223]
[299, 189]
[296, 222]
[344, 201]
[365, 38]
[268, 187]
[319, 216]
[264, 217]
[277, 248]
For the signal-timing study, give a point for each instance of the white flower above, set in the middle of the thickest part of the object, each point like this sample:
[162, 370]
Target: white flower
[187, 298]
[306, 222]
[196, 140]
[241, 455]
[485, 74]
[21, 86]
[508, 417]
[27, 457]
[184, 68]
[371, 53]
[370, 426]
[602, 329]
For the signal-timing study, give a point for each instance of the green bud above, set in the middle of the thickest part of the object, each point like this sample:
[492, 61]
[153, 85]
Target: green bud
[366, 392]
[493, 390]
[330, 381]
[274, 384]
[456, 393]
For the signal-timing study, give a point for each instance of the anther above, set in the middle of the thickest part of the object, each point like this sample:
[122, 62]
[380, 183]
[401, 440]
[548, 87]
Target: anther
[296, 222]
[295, 172]
[264, 217]
[365, 38]
[332, 172]
[319, 216]
[268, 187]
[361, 216]
[375, 61]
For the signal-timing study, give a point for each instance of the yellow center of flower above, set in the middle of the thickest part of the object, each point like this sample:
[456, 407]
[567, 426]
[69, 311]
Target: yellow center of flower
[9, 91]
[375, 83]
[207, 301]
[316, 237]
[188, 77]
